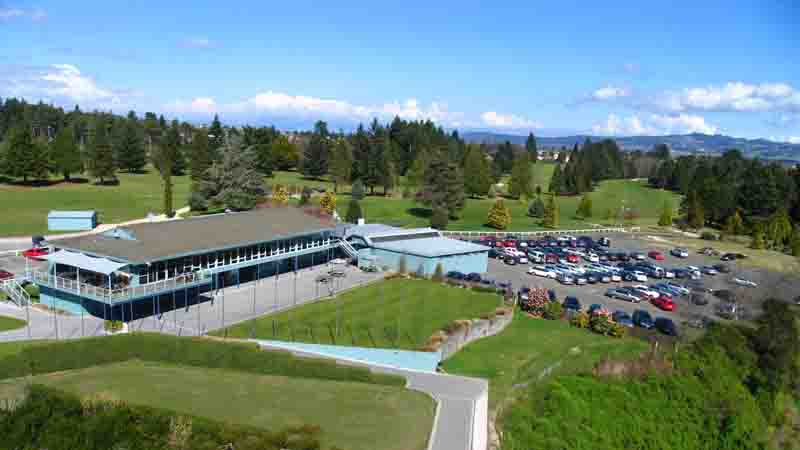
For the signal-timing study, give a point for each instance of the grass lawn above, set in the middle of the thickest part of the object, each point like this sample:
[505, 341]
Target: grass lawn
[608, 196]
[351, 415]
[530, 350]
[396, 313]
[10, 323]
[133, 198]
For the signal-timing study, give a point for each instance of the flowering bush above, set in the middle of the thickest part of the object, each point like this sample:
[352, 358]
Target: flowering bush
[580, 320]
[553, 311]
[537, 301]
[601, 324]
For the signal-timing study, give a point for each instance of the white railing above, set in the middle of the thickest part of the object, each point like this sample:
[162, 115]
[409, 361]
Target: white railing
[349, 249]
[540, 232]
[107, 295]
[16, 293]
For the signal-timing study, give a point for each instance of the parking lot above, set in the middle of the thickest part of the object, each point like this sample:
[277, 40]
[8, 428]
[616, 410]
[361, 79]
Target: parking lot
[748, 299]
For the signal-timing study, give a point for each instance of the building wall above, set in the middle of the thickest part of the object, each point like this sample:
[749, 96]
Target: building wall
[466, 263]
[70, 224]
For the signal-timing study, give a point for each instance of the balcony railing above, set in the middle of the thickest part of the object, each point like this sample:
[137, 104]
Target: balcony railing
[111, 296]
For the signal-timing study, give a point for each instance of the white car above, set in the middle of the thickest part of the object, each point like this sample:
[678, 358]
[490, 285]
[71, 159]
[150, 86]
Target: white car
[694, 271]
[679, 287]
[743, 282]
[644, 289]
[639, 276]
[575, 268]
[591, 257]
[542, 271]
[669, 274]
[680, 252]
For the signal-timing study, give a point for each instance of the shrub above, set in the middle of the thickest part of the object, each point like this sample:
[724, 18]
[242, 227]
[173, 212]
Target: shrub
[198, 201]
[708, 236]
[479, 288]
[305, 196]
[438, 273]
[32, 290]
[440, 218]
[402, 265]
[328, 202]
[499, 215]
[536, 302]
[112, 326]
[357, 192]
[618, 330]
[353, 211]
[553, 311]
[601, 324]
[580, 320]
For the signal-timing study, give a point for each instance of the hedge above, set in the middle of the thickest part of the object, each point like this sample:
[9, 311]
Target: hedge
[198, 352]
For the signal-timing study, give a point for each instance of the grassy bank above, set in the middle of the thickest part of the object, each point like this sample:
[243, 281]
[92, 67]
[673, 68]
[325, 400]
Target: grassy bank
[351, 415]
[10, 323]
[397, 313]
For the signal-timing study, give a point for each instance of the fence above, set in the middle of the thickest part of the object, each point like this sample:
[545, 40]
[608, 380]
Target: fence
[540, 232]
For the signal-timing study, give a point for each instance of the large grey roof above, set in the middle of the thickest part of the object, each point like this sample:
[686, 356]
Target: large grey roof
[147, 242]
[431, 246]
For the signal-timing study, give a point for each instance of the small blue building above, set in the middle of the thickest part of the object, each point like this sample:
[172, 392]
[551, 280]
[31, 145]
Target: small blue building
[71, 220]
[422, 248]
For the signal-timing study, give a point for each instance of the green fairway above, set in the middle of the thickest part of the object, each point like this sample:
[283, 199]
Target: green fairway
[530, 350]
[609, 196]
[351, 415]
[397, 313]
[133, 198]
[10, 323]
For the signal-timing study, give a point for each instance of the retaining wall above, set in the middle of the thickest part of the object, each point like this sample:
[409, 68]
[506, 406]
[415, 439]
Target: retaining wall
[477, 329]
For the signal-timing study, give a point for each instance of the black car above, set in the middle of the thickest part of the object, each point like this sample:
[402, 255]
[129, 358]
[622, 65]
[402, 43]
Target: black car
[732, 256]
[604, 241]
[666, 326]
[642, 319]
[454, 275]
[510, 260]
[474, 277]
[487, 281]
[592, 277]
[682, 273]
[623, 256]
[493, 253]
[572, 303]
[722, 268]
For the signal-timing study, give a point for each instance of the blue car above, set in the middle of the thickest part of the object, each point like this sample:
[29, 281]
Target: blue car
[572, 303]
[622, 318]
[643, 319]
[453, 275]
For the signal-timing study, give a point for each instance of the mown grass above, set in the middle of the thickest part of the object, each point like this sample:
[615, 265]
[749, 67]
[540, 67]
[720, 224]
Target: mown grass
[134, 197]
[397, 313]
[10, 323]
[530, 350]
[351, 415]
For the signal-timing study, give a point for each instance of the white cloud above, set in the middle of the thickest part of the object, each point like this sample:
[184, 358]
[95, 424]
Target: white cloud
[733, 96]
[198, 43]
[60, 83]
[10, 13]
[508, 121]
[610, 93]
[301, 106]
[786, 139]
[654, 124]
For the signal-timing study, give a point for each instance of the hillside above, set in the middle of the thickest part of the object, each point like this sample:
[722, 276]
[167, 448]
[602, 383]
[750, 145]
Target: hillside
[686, 143]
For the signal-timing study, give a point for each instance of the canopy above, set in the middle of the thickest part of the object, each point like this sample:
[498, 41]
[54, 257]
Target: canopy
[81, 261]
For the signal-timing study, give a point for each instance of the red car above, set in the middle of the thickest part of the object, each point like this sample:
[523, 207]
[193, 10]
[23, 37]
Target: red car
[573, 258]
[36, 252]
[663, 302]
[658, 256]
[5, 275]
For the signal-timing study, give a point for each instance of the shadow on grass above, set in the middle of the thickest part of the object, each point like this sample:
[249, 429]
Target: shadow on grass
[424, 213]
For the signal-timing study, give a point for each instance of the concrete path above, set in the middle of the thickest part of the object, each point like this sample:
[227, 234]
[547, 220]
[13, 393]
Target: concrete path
[461, 421]
[47, 325]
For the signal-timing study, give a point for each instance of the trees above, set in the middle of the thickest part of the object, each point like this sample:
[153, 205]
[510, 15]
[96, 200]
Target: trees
[357, 192]
[695, 214]
[758, 241]
[454, 188]
[284, 153]
[23, 157]
[200, 159]
[216, 138]
[584, 207]
[129, 151]
[317, 152]
[415, 177]
[557, 181]
[100, 152]
[504, 158]
[440, 218]
[551, 212]
[476, 172]
[665, 219]
[264, 160]
[531, 148]
[734, 225]
[341, 166]
[499, 216]
[164, 158]
[353, 211]
[65, 154]
[521, 180]
[235, 182]
[536, 208]
[779, 229]
[328, 202]
[444, 187]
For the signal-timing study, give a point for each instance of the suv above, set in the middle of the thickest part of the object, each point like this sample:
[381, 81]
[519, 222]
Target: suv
[642, 319]
[666, 326]
[679, 252]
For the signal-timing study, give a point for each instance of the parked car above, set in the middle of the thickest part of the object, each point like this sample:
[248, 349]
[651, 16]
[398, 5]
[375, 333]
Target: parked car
[510, 260]
[487, 282]
[709, 270]
[638, 256]
[5, 275]
[682, 273]
[542, 271]
[493, 253]
[591, 277]
[722, 268]
[743, 282]
[592, 257]
[732, 256]
[565, 278]
[623, 294]
[650, 293]
[473, 277]
[604, 241]
[551, 294]
[572, 303]
[694, 272]
[622, 318]
[679, 287]
[634, 275]
[658, 256]
[455, 275]
[679, 252]
[666, 326]
[663, 302]
[698, 298]
[642, 319]
[36, 252]
[667, 289]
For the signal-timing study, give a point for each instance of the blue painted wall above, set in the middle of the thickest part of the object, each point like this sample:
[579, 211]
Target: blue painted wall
[466, 263]
[67, 223]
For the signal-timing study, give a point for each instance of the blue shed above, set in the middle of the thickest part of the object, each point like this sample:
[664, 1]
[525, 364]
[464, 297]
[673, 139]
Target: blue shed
[71, 220]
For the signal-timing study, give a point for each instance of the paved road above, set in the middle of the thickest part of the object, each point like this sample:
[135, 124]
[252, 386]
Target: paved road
[461, 405]
[46, 325]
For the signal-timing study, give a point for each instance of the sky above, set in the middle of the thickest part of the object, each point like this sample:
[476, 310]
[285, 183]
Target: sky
[551, 68]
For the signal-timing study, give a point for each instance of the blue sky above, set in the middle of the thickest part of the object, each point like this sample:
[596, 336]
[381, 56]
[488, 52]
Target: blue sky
[554, 68]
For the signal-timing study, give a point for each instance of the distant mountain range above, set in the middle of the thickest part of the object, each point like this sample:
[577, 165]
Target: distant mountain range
[695, 143]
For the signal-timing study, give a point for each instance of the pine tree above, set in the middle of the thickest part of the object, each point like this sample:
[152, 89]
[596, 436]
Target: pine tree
[100, 152]
[264, 159]
[317, 152]
[454, 187]
[695, 212]
[536, 208]
[164, 159]
[415, 177]
[284, 153]
[779, 229]
[531, 148]
[476, 172]
[20, 151]
[758, 241]
[551, 213]
[499, 216]
[521, 183]
[557, 181]
[129, 149]
[734, 225]
[504, 158]
[795, 243]
[200, 159]
[235, 182]
[216, 138]
[584, 207]
[353, 211]
[440, 218]
[341, 163]
[665, 220]
[357, 192]
[65, 153]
